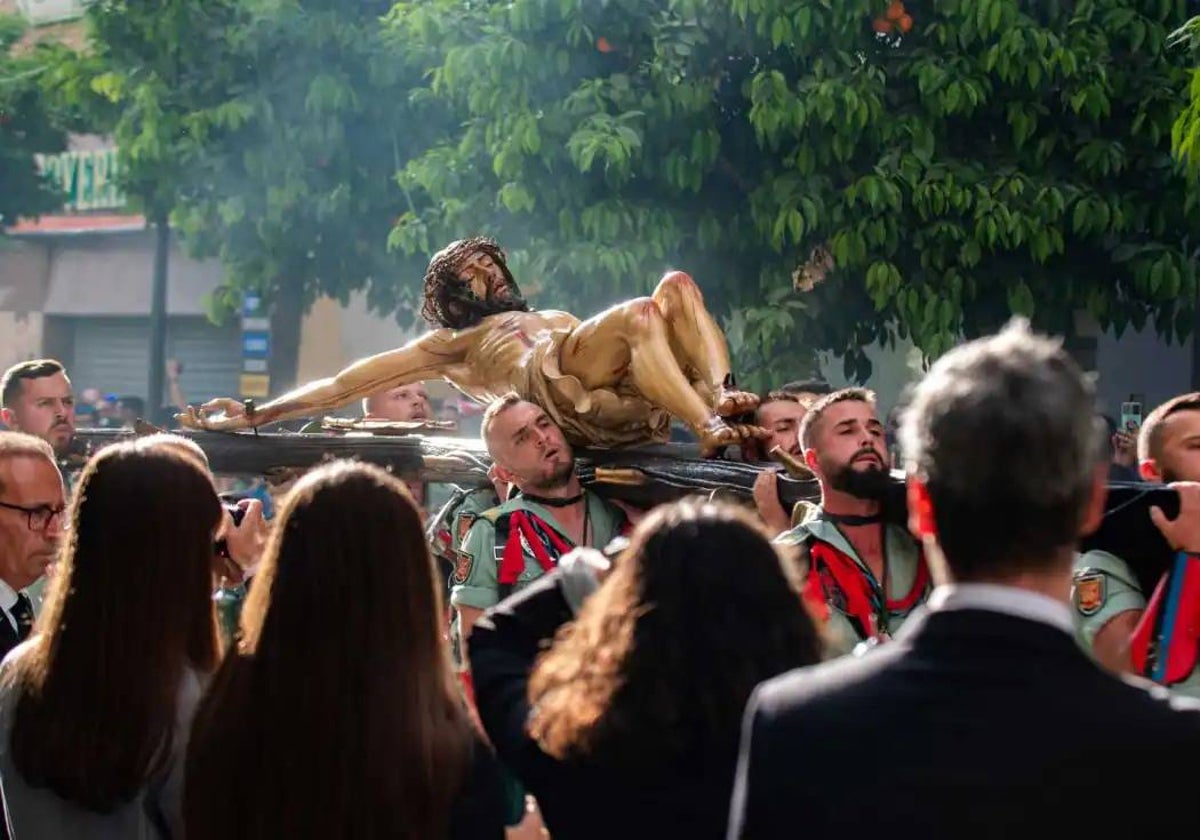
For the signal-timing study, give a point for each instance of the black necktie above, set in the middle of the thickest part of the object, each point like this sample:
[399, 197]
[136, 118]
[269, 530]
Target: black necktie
[22, 613]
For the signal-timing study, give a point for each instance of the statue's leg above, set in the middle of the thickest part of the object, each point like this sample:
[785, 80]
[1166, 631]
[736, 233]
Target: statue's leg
[699, 344]
[631, 343]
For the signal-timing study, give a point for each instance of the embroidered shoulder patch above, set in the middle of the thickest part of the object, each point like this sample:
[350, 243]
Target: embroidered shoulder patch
[465, 521]
[1089, 591]
[462, 566]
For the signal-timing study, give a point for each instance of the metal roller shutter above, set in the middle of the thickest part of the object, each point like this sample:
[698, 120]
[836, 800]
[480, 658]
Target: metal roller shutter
[211, 357]
[113, 354]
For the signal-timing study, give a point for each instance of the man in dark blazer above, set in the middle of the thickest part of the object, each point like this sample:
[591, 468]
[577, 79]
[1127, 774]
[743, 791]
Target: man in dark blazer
[32, 501]
[983, 717]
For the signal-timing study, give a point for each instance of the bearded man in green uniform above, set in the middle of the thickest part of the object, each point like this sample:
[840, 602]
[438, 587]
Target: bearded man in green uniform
[1107, 597]
[864, 575]
[548, 514]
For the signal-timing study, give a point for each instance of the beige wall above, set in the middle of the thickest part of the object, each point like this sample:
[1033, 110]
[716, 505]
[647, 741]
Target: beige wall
[24, 273]
[20, 337]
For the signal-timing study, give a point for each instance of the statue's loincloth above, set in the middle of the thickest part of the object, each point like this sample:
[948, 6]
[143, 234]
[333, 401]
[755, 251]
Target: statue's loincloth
[600, 417]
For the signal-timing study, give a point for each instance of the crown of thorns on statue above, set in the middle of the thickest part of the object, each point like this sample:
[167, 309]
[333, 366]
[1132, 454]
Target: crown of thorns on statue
[448, 300]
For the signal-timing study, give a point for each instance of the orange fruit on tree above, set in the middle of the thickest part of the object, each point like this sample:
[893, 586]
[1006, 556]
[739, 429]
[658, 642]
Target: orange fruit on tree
[603, 45]
[881, 26]
[895, 10]
[905, 23]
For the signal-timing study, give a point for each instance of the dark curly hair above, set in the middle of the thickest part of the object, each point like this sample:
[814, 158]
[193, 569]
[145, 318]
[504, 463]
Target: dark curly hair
[698, 610]
[447, 300]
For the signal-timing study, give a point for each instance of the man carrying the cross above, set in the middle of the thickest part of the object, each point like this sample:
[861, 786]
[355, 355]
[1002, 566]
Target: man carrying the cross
[521, 539]
[864, 575]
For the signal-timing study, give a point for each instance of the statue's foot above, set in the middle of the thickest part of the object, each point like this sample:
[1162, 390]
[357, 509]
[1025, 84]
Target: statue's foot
[718, 434]
[731, 403]
[219, 415]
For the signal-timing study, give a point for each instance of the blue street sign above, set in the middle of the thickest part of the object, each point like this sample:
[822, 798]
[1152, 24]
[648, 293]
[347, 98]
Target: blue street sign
[256, 345]
[251, 304]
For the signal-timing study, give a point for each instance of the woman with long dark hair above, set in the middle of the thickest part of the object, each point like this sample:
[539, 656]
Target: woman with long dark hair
[95, 706]
[338, 715]
[628, 725]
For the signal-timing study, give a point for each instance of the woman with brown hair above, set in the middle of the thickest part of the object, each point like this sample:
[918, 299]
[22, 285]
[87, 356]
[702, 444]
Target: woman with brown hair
[338, 715]
[628, 725]
[95, 706]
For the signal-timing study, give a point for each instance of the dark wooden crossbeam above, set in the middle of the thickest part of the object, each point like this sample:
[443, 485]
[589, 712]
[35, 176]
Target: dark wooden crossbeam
[642, 476]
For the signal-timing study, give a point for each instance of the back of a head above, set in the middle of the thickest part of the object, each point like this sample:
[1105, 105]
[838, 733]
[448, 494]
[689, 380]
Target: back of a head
[1002, 430]
[342, 666]
[129, 608]
[177, 443]
[348, 543]
[698, 610]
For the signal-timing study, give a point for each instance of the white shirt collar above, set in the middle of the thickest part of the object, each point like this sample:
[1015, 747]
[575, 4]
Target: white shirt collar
[8, 596]
[1010, 600]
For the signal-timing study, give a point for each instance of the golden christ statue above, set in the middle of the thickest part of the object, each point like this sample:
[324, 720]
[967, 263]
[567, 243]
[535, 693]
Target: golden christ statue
[613, 380]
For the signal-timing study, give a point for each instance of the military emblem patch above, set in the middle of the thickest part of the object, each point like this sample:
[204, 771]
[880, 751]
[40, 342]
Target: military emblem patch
[1089, 592]
[462, 566]
[463, 526]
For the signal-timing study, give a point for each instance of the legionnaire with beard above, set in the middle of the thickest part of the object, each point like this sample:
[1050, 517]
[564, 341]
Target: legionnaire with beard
[36, 398]
[520, 540]
[1106, 594]
[864, 575]
[616, 378]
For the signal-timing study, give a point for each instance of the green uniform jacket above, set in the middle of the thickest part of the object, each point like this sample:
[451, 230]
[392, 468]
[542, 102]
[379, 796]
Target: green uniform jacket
[476, 580]
[1104, 587]
[903, 563]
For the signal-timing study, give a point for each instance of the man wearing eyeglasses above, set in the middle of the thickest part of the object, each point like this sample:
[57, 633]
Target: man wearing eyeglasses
[32, 498]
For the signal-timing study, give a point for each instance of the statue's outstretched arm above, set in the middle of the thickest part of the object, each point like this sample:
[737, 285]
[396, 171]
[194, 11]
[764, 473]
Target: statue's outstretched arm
[428, 357]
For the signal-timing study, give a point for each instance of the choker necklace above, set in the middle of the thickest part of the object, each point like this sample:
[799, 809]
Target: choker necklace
[552, 503]
[852, 519]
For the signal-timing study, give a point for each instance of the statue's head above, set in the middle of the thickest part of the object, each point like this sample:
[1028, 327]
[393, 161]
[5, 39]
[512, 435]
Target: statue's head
[468, 280]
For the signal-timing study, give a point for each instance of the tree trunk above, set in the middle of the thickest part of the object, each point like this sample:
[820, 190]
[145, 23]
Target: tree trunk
[158, 317]
[287, 315]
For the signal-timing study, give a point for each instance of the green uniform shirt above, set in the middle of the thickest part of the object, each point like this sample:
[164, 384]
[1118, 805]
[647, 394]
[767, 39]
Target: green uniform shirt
[1104, 587]
[903, 564]
[476, 580]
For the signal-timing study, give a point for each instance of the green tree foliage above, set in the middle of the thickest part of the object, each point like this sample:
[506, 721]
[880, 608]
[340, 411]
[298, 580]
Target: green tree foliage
[29, 124]
[148, 67]
[291, 177]
[1185, 137]
[996, 157]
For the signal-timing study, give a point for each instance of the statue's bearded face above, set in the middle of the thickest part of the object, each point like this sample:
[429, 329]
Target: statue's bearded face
[490, 281]
[466, 282]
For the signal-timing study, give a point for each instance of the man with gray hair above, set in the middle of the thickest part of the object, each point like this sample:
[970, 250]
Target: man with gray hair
[32, 508]
[994, 721]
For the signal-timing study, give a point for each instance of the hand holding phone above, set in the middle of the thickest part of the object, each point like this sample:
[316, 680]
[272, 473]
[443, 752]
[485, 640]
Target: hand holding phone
[1131, 417]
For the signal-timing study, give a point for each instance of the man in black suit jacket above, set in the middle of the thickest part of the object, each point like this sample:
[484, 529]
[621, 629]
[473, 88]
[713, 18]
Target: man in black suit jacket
[983, 718]
[32, 500]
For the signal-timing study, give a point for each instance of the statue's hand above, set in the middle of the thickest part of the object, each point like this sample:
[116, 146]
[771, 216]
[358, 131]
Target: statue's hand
[220, 415]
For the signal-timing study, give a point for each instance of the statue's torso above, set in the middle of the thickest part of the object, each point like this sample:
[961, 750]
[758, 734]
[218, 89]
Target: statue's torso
[497, 361]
